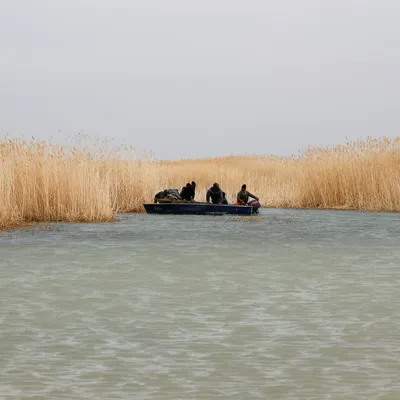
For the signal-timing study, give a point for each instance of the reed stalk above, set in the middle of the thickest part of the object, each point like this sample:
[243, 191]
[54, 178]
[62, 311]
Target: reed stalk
[41, 181]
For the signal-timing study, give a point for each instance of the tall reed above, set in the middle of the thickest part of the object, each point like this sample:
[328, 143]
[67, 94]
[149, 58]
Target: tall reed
[44, 182]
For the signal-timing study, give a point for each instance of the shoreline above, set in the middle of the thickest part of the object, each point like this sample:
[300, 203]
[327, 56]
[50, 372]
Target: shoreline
[29, 224]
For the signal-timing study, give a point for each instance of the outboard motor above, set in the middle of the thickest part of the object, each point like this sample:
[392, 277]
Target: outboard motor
[255, 204]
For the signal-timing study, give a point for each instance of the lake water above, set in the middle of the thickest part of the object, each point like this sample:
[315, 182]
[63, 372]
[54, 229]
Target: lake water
[292, 305]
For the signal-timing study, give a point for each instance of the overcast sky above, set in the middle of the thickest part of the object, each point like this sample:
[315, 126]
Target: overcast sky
[201, 78]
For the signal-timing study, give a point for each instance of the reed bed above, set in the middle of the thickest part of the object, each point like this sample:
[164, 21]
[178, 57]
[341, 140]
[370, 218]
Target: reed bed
[44, 182]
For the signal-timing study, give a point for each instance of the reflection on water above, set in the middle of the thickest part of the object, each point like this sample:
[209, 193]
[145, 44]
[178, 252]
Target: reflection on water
[289, 305]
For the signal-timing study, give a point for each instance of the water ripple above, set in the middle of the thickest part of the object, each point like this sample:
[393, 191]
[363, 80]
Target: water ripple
[302, 305]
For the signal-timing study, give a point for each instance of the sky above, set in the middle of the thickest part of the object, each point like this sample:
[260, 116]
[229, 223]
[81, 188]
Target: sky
[201, 78]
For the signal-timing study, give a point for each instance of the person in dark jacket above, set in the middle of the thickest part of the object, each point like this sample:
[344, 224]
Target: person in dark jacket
[185, 192]
[193, 186]
[215, 194]
[243, 196]
[188, 192]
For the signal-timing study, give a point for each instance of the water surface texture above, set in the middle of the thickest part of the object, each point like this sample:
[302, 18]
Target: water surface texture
[294, 305]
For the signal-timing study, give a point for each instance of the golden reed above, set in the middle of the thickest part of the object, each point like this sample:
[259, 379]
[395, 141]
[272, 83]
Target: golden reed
[45, 182]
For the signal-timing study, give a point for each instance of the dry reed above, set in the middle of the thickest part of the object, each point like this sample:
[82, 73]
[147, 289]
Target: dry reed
[45, 182]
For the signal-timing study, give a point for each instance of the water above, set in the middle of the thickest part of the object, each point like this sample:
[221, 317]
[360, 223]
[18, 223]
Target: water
[294, 305]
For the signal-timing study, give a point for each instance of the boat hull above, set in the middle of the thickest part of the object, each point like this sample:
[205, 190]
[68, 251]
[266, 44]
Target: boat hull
[197, 209]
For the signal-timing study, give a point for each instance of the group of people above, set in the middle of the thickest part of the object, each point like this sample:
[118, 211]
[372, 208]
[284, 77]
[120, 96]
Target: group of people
[189, 191]
[216, 194]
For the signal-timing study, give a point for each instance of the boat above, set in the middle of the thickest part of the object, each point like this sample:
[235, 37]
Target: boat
[195, 208]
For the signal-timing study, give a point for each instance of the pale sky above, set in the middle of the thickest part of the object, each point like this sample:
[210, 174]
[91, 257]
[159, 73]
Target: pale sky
[201, 78]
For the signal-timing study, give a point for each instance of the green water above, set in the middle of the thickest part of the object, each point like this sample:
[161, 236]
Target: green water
[295, 305]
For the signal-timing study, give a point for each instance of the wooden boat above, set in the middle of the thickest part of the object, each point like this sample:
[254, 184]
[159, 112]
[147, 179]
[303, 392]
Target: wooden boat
[197, 208]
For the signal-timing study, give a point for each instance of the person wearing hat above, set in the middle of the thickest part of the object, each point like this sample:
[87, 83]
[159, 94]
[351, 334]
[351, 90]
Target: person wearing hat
[243, 196]
[215, 194]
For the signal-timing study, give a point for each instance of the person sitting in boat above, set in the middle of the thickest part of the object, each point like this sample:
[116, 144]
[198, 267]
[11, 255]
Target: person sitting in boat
[215, 194]
[243, 195]
[188, 192]
[193, 186]
[184, 192]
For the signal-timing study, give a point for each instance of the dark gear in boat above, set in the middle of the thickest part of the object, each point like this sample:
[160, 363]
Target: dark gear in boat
[167, 194]
[159, 196]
